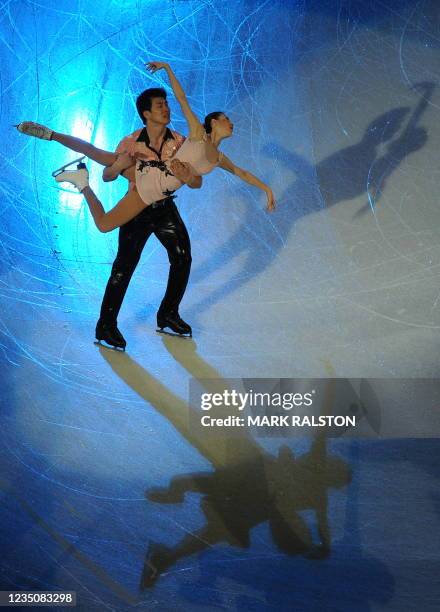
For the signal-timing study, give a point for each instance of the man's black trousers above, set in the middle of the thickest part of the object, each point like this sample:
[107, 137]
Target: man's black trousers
[166, 224]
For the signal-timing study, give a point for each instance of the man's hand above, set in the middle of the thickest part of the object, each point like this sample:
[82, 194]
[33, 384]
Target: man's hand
[182, 171]
[123, 161]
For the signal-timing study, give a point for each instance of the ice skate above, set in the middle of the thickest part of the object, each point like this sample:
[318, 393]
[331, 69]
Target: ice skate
[79, 178]
[175, 323]
[34, 129]
[109, 333]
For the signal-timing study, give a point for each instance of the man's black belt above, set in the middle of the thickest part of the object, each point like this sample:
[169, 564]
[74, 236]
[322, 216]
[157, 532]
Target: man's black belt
[160, 203]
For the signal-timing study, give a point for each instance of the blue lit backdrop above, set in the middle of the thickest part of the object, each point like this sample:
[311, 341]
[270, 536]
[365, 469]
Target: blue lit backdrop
[335, 104]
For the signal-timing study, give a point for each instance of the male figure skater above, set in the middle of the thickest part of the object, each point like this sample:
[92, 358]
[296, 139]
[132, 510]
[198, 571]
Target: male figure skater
[151, 146]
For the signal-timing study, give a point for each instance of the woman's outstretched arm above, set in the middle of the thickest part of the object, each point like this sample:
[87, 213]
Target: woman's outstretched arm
[248, 177]
[195, 127]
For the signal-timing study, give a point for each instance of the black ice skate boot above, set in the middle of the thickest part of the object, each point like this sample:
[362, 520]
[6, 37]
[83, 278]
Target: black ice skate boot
[110, 333]
[174, 322]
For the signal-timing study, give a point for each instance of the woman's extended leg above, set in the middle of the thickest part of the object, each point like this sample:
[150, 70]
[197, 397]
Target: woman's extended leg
[125, 210]
[105, 158]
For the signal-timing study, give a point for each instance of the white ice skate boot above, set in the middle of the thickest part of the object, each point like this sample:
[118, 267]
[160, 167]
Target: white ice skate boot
[79, 178]
[34, 129]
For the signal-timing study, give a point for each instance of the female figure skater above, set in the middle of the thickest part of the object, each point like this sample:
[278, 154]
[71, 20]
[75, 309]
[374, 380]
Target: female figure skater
[199, 154]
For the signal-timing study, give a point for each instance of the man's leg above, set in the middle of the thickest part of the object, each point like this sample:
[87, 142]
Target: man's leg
[172, 233]
[132, 238]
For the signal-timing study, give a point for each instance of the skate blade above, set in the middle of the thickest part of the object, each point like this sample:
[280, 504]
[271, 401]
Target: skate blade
[72, 163]
[104, 344]
[173, 334]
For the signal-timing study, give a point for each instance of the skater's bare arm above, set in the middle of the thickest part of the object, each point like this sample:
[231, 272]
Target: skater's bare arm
[249, 178]
[182, 171]
[196, 182]
[121, 165]
[130, 174]
[196, 129]
[105, 158]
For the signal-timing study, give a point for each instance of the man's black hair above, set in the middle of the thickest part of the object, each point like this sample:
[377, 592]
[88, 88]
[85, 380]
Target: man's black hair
[143, 101]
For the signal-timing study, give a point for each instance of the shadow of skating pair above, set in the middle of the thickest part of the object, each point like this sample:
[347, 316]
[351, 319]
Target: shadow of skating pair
[247, 486]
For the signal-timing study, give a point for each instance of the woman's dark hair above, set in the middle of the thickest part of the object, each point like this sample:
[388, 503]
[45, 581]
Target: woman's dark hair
[209, 118]
[143, 101]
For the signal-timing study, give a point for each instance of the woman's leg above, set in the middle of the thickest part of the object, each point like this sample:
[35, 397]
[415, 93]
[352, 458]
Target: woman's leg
[105, 158]
[30, 128]
[125, 210]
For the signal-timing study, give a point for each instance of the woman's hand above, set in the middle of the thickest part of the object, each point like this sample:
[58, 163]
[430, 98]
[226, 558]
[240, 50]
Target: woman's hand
[270, 206]
[155, 66]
